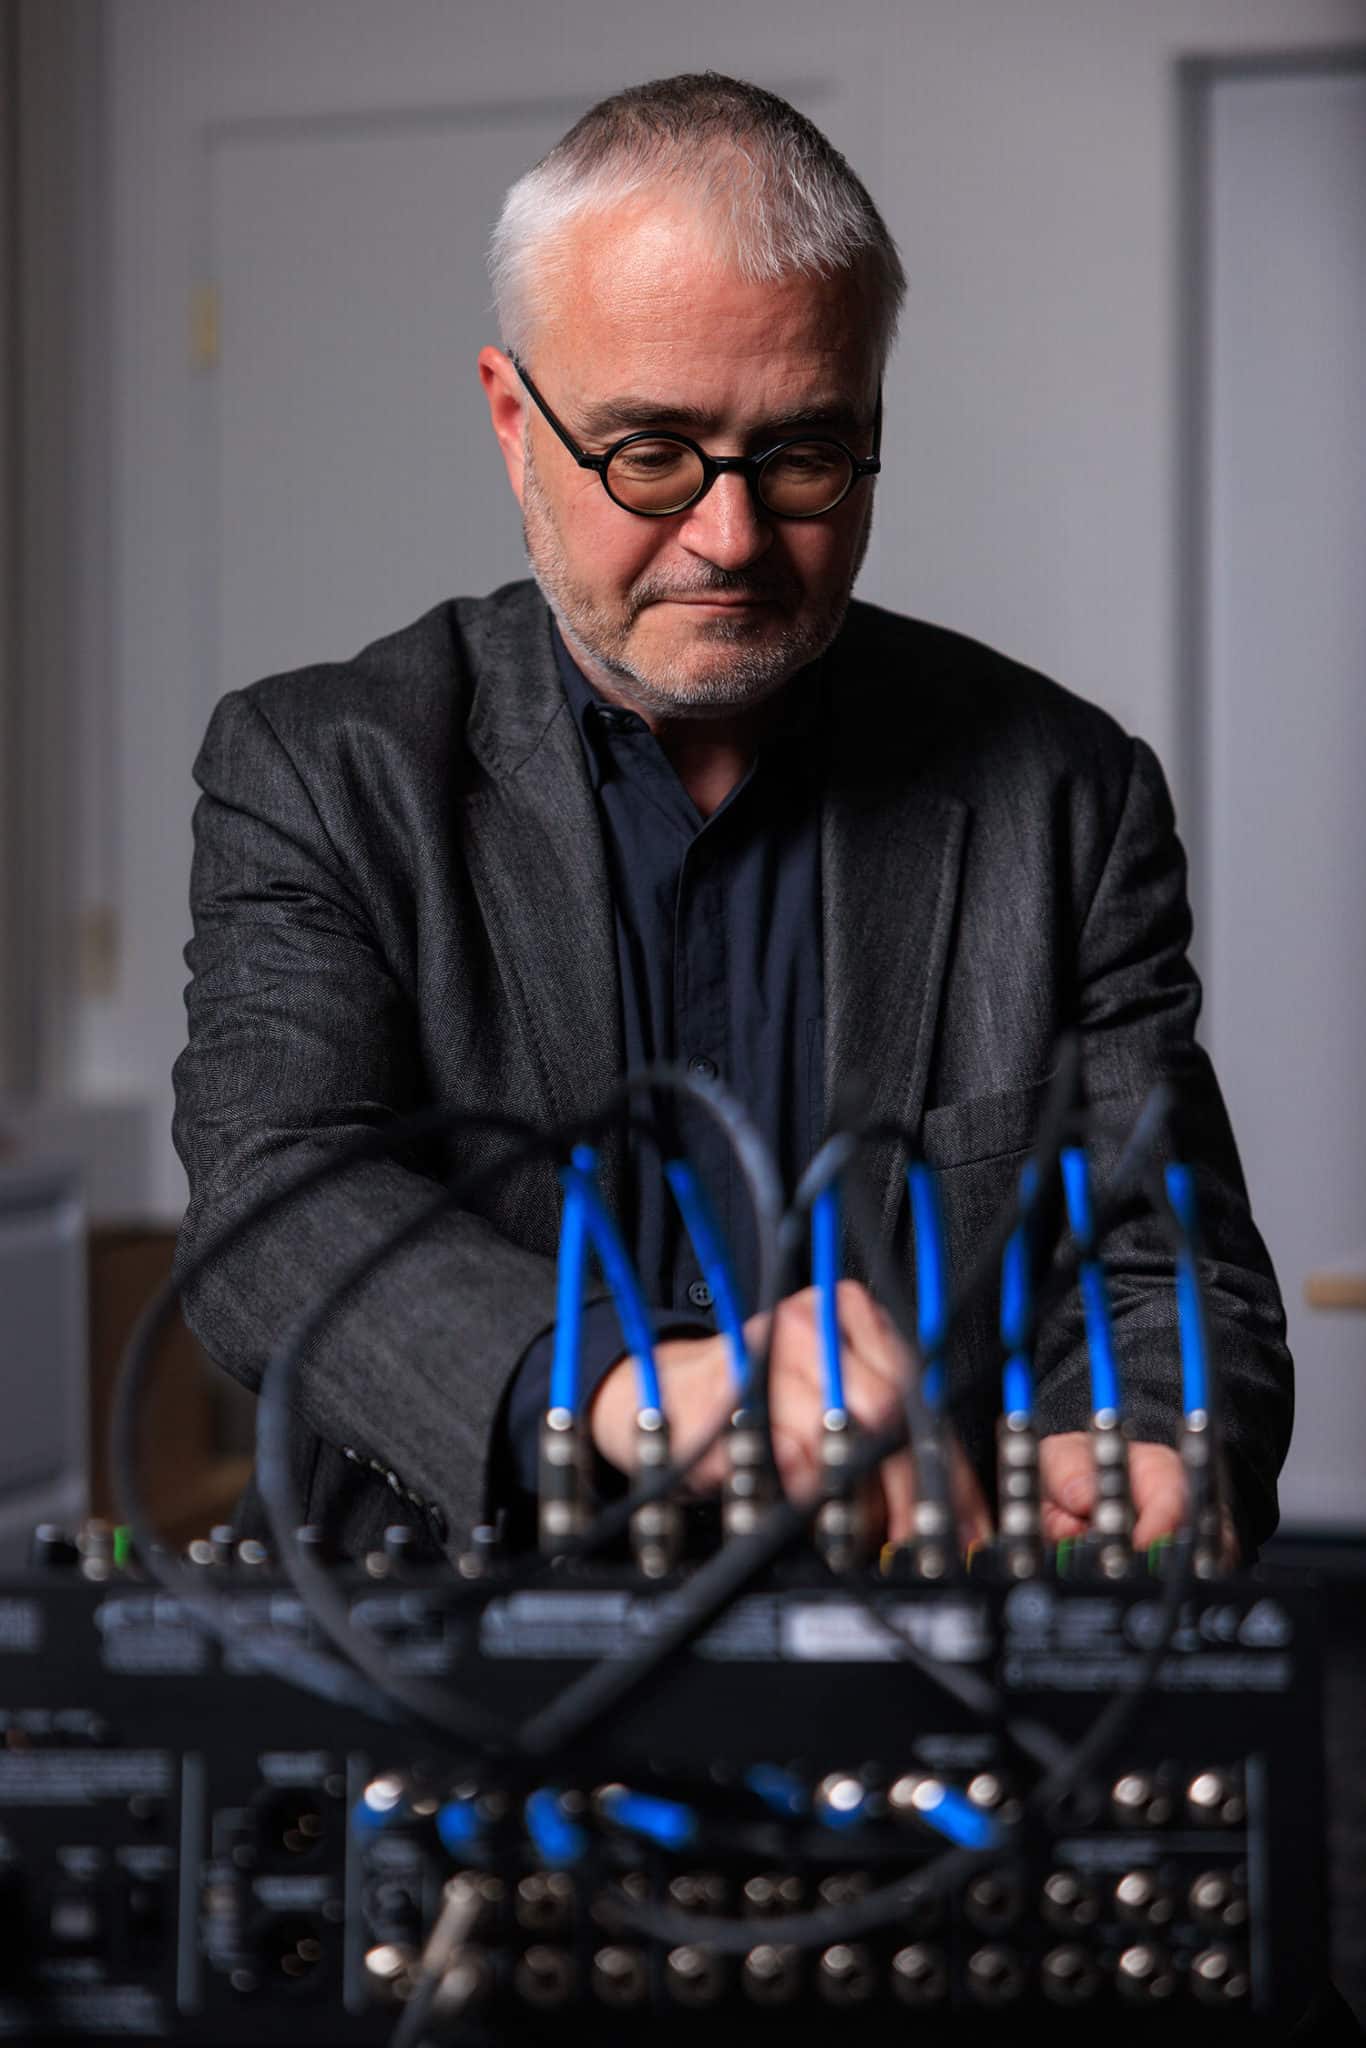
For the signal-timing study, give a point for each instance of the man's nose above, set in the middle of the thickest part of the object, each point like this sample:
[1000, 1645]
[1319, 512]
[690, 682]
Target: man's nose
[728, 527]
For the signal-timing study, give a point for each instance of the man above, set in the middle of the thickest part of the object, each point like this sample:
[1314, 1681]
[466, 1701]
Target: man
[682, 800]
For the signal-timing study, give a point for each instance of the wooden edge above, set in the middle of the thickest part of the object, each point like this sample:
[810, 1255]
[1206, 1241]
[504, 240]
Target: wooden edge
[1336, 1287]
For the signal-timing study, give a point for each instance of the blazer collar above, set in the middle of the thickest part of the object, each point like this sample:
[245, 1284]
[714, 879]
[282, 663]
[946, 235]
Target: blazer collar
[892, 848]
[517, 690]
[531, 838]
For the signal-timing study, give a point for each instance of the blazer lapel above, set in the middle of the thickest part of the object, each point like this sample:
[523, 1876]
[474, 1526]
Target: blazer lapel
[891, 861]
[534, 851]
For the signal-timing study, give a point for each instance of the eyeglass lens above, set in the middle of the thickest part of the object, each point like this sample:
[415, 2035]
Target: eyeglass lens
[663, 475]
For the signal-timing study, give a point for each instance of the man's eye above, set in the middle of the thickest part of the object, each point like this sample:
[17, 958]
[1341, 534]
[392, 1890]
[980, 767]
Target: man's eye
[650, 459]
[807, 461]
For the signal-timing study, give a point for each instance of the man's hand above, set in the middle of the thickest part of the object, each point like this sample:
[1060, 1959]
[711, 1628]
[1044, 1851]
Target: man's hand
[695, 1380]
[1067, 1487]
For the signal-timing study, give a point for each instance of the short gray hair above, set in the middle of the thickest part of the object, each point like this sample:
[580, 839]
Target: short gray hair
[785, 200]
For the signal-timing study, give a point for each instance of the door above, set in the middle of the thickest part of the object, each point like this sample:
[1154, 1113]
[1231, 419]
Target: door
[1286, 734]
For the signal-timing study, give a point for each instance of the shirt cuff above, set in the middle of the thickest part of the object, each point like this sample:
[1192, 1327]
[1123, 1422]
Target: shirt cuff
[519, 1425]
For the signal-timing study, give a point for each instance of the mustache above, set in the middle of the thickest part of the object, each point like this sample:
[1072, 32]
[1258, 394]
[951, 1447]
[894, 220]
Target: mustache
[716, 583]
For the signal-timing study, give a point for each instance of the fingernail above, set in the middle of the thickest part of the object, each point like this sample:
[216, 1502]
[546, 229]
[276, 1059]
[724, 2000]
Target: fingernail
[1076, 1494]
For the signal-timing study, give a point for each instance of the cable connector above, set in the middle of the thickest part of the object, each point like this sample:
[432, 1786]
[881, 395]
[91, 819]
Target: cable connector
[1109, 1543]
[657, 1527]
[842, 1524]
[932, 1546]
[932, 1551]
[562, 1512]
[751, 1484]
[942, 1807]
[1017, 1488]
[1201, 1471]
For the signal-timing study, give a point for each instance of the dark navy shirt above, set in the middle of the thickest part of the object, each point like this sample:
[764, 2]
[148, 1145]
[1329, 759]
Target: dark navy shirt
[718, 938]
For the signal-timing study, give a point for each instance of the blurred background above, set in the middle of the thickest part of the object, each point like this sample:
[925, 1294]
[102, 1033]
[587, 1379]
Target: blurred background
[241, 294]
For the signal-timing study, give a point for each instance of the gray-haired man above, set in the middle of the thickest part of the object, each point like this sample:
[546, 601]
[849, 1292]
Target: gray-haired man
[684, 802]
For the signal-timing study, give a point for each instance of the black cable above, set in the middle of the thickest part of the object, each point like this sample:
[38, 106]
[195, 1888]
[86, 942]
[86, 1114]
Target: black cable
[433, 1703]
[1058, 1111]
[684, 1614]
[948, 1870]
[725, 1576]
[968, 1688]
[717, 1584]
[1117, 1716]
[436, 1704]
[1068, 1772]
[839, 1155]
[1055, 1116]
[889, 1902]
[206, 1602]
[575, 1709]
[459, 1911]
[298, 1664]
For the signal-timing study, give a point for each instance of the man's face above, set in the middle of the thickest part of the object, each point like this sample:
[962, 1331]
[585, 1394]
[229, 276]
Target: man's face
[708, 611]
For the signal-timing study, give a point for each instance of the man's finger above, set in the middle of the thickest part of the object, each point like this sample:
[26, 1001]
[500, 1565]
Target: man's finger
[797, 1468]
[871, 1331]
[1067, 1474]
[1058, 1526]
[795, 1410]
[1159, 1489]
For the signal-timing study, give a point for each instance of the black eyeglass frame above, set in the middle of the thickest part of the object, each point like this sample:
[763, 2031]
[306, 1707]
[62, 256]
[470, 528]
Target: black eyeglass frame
[713, 466]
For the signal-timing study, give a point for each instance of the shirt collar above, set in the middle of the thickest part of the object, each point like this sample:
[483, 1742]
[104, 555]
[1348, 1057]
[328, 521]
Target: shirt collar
[596, 719]
[593, 715]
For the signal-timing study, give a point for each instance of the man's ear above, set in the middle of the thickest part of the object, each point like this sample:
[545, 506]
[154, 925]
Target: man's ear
[507, 410]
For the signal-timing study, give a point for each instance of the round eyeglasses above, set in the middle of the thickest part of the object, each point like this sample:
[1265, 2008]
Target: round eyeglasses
[656, 475]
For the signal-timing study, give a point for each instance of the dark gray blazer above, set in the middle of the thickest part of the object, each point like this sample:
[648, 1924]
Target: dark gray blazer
[399, 899]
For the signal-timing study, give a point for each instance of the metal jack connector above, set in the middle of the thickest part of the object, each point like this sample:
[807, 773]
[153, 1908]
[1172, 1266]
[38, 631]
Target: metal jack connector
[750, 1481]
[656, 1528]
[932, 1545]
[842, 1525]
[1203, 1492]
[1017, 1486]
[565, 1463]
[1112, 1525]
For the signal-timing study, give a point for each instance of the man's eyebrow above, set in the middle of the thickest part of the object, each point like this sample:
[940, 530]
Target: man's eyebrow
[609, 418]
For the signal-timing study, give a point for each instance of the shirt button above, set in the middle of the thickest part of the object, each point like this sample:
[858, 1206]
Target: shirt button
[700, 1295]
[704, 1068]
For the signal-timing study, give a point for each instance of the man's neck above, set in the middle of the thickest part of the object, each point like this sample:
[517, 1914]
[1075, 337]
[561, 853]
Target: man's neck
[708, 768]
[710, 756]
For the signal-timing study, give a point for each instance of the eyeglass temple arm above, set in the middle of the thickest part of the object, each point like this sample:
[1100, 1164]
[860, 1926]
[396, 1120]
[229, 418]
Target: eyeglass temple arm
[874, 462]
[584, 460]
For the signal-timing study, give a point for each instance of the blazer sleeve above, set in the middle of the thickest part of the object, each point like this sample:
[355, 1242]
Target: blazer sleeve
[1137, 1000]
[300, 1040]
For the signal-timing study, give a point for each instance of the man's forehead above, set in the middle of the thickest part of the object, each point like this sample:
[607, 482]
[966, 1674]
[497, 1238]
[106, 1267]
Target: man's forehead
[650, 288]
[830, 410]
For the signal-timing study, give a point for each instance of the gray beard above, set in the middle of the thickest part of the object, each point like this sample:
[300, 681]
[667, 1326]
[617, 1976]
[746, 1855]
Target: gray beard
[748, 668]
